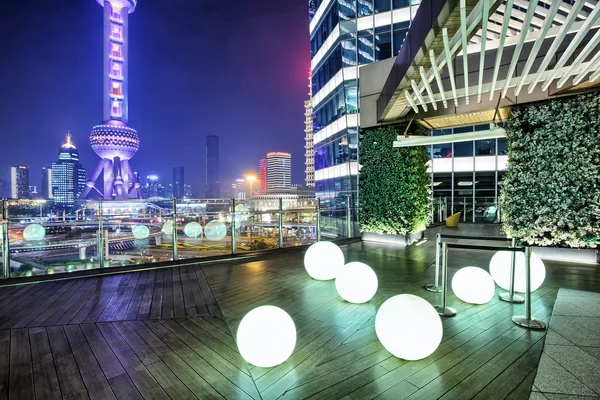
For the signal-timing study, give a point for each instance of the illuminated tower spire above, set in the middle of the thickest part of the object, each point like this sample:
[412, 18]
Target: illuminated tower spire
[114, 141]
[309, 146]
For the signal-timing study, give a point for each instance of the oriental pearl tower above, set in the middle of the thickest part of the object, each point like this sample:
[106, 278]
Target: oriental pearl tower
[113, 140]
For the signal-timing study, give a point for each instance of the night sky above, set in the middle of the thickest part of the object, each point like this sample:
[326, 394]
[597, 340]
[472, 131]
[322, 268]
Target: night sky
[237, 69]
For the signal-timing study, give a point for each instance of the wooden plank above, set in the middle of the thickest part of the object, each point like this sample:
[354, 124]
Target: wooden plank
[124, 387]
[140, 376]
[136, 300]
[178, 303]
[70, 380]
[146, 355]
[82, 302]
[157, 298]
[167, 304]
[20, 385]
[4, 363]
[188, 297]
[44, 372]
[146, 302]
[123, 303]
[114, 300]
[197, 296]
[104, 355]
[95, 381]
[96, 303]
[209, 298]
[24, 308]
[169, 381]
[70, 302]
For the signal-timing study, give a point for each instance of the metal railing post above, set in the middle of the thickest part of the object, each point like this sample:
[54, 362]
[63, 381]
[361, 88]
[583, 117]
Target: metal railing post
[280, 224]
[442, 309]
[438, 246]
[318, 219]
[511, 297]
[527, 321]
[233, 233]
[5, 241]
[349, 217]
[175, 249]
[100, 246]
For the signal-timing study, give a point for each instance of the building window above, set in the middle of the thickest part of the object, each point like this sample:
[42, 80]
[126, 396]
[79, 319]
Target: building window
[365, 7]
[116, 109]
[400, 31]
[116, 32]
[382, 5]
[383, 43]
[116, 69]
[485, 147]
[116, 89]
[116, 50]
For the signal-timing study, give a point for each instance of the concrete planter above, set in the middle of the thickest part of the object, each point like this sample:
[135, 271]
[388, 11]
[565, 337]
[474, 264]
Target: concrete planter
[588, 256]
[402, 240]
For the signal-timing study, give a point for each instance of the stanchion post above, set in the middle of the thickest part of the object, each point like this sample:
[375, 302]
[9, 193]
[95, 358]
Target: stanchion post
[318, 219]
[527, 321]
[442, 309]
[511, 297]
[175, 249]
[5, 240]
[436, 285]
[280, 224]
[100, 246]
[233, 233]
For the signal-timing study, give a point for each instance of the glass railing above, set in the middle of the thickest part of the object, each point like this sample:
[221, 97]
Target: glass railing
[38, 238]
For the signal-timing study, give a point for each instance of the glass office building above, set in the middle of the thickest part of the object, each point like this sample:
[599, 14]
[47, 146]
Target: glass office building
[343, 36]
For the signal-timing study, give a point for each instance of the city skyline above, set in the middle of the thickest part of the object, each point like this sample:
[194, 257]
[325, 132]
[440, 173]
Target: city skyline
[271, 121]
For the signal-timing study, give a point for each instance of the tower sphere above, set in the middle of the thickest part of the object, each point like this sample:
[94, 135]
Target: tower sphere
[118, 4]
[114, 139]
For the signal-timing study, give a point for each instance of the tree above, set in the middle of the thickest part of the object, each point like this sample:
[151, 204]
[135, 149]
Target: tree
[394, 187]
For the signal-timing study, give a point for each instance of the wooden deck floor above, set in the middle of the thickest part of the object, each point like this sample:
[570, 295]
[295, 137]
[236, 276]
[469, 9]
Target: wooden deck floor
[168, 334]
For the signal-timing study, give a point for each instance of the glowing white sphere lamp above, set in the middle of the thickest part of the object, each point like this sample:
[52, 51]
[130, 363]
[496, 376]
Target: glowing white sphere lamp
[167, 228]
[323, 260]
[34, 232]
[193, 230]
[266, 336]
[408, 327]
[140, 232]
[500, 271]
[356, 282]
[473, 285]
[215, 230]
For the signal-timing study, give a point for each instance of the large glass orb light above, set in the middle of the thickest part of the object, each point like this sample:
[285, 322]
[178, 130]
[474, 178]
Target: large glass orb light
[323, 260]
[34, 232]
[266, 336]
[473, 285]
[140, 232]
[167, 228]
[356, 282]
[215, 230]
[193, 229]
[500, 271]
[408, 327]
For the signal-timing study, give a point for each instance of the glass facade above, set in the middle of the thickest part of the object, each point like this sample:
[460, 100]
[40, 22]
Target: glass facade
[359, 40]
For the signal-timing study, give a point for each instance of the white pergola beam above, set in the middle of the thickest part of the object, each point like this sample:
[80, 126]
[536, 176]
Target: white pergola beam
[449, 64]
[411, 141]
[580, 58]
[463, 37]
[411, 101]
[427, 88]
[505, 25]
[438, 78]
[486, 11]
[557, 41]
[576, 41]
[422, 102]
[536, 46]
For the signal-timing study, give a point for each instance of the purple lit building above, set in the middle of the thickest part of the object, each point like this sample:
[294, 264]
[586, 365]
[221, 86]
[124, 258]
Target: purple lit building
[113, 140]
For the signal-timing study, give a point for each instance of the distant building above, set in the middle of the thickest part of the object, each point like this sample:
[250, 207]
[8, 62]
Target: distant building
[68, 175]
[178, 183]
[187, 191]
[19, 182]
[263, 175]
[309, 147]
[1, 189]
[151, 187]
[47, 183]
[279, 171]
[212, 167]
[33, 192]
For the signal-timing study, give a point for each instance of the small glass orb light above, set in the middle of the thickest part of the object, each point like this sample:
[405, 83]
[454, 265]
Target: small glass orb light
[323, 260]
[193, 230]
[408, 327]
[140, 232]
[215, 230]
[34, 232]
[356, 282]
[500, 271]
[266, 336]
[167, 228]
[473, 285]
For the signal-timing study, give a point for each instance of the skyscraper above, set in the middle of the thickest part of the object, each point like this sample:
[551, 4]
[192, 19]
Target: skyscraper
[19, 182]
[309, 148]
[67, 173]
[279, 171]
[114, 141]
[212, 166]
[178, 183]
[47, 183]
[343, 36]
[263, 175]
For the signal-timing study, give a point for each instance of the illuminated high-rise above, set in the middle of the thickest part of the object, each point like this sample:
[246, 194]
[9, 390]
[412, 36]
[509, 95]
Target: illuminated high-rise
[279, 171]
[263, 175]
[68, 176]
[113, 140]
[178, 183]
[47, 183]
[309, 147]
[19, 182]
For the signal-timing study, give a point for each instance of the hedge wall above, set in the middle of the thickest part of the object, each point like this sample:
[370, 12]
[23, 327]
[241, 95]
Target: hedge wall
[394, 186]
[551, 194]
